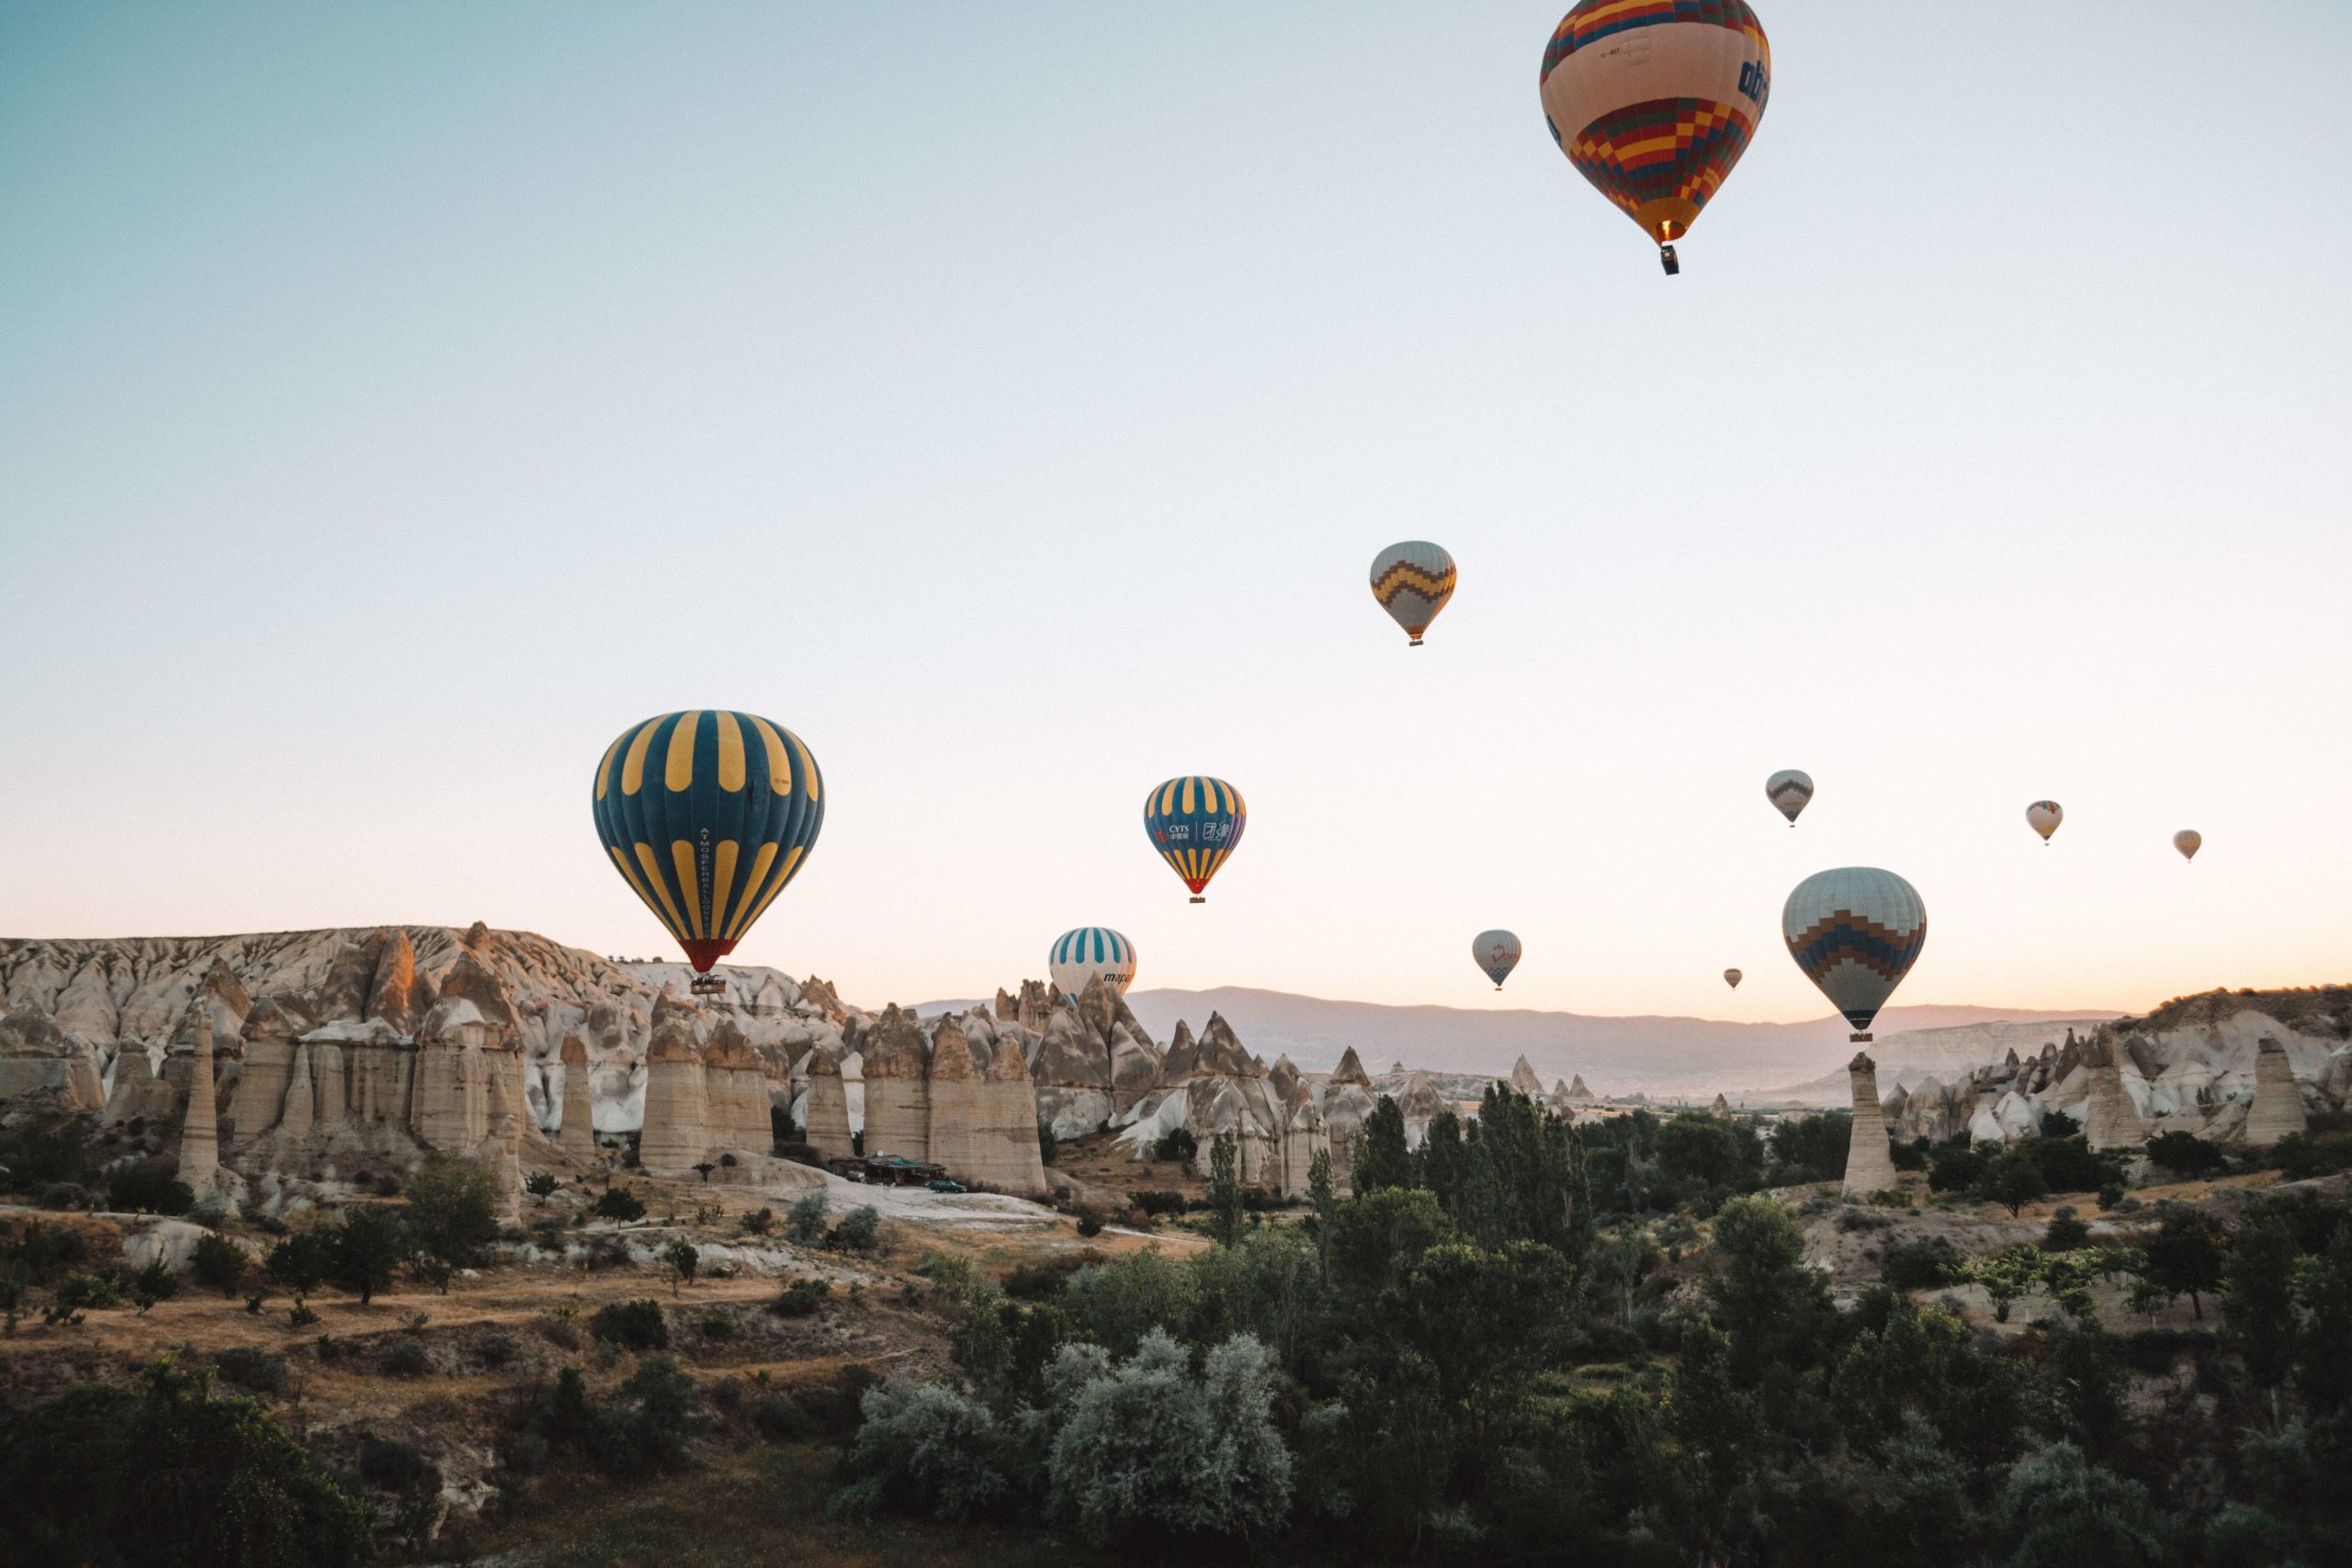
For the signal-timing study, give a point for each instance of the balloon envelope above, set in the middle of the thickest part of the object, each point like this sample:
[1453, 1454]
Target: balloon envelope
[1088, 952]
[707, 815]
[1732, 977]
[1497, 952]
[1412, 580]
[1195, 822]
[2188, 841]
[1654, 100]
[2045, 817]
[1855, 931]
[1789, 791]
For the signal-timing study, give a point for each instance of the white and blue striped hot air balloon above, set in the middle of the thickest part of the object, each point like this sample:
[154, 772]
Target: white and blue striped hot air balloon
[1497, 952]
[1855, 931]
[1080, 955]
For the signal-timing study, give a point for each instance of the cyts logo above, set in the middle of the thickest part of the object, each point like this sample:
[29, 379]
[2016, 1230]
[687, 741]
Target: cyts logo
[1753, 81]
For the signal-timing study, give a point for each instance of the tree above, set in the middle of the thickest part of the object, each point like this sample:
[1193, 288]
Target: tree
[2067, 1231]
[1321, 1196]
[804, 1223]
[368, 1246]
[452, 1210]
[1147, 1444]
[2014, 1179]
[1813, 1148]
[2326, 1375]
[620, 1203]
[190, 1480]
[2065, 1512]
[1374, 1240]
[1383, 1160]
[1705, 1149]
[302, 1261]
[2185, 1256]
[2186, 1155]
[1225, 1189]
[149, 1187]
[1049, 1142]
[1955, 1168]
[927, 1449]
[682, 1258]
[540, 1184]
[2258, 1302]
[1774, 1308]
[219, 1264]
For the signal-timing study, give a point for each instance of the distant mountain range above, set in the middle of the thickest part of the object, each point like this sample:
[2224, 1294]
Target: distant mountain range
[1616, 1055]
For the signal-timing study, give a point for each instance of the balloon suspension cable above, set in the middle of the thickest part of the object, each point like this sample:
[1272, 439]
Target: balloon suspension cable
[1668, 259]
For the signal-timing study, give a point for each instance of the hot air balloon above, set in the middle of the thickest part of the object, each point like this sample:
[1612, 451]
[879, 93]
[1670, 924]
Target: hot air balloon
[2188, 841]
[1789, 790]
[1195, 822]
[707, 815]
[1497, 952]
[1091, 953]
[1654, 100]
[1732, 977]
[1855, 931]
[1412, 581]
[2044, 815]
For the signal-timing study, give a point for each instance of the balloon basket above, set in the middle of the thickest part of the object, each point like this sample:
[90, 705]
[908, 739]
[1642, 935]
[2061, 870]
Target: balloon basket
[1668, 259]
[1861, 1039]
[1415, 643]
[1196, 898]
[706, 985]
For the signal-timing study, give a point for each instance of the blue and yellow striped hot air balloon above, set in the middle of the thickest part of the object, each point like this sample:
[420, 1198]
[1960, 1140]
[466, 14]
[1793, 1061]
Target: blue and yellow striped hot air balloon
[1194, 823]
[1091, 953]
[707, 815]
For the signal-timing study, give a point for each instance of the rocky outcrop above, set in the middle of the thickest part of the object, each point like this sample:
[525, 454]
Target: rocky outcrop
[39, 1061]
[1230, 1096]
[1578, 1094]
[956, 1114]
[578, 1133]
[1347, 1103]
[827, 1108]
[1870, 1167]
[1523, 1080]
[898, 1089]
[1004, 1141]
[1305, 1135]
[200, 1129]
[676, 1136]
[1420, 1103]
[1722, 1107]
[2278, 1109]
[2110, 1122]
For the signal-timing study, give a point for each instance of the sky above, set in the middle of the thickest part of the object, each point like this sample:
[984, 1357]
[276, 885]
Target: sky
[396, 401]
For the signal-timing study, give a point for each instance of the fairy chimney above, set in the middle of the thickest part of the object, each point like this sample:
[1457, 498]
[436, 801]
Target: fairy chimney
[827, 1113]
[200, 1132]
[1868, 1167]
[577, 1134]
[2277, 1108]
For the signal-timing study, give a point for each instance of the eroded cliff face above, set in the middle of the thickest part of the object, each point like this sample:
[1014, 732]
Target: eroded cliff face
[2232, 1067]
[315, 1002]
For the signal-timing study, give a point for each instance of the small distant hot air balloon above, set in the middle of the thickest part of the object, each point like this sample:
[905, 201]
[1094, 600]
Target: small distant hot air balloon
[1497, 952]
[1789, 790]
[2188, 841]
[2045, 817]
[1412, 581]
[1196, 822]
[1855, 931]
[1091, 953]
[1732, 977]
[1654, 100]
[707, 815]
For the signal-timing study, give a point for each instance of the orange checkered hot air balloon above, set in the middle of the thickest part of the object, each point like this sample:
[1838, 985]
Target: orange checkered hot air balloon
[1654, 100]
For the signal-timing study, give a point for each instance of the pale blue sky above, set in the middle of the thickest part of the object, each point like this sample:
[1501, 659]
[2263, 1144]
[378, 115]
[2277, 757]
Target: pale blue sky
[397, 400]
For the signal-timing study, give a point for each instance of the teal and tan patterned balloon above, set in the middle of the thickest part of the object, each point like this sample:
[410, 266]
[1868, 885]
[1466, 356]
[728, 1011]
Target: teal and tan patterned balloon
[2043, 817]
[1855, 931]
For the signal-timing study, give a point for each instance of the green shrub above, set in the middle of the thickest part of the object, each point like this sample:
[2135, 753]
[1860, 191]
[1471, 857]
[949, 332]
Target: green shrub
[1090, 1223]
[716, 1326]
[78, 1292]
[619, 1203]
[156, 1283]
[47, 1251]
[801, 1298]
[632, 1326]
[1920, 1265]
[498, 1351]
[2186, 1155]
[2067, 1231]
[1178, 1144]
[151, 1186]
[804, 1223]
[264, 1371]
[649, 1421]
[1157, 1203]
[926, 1450]
[1049, 1142]
[218, 1263]
[452, 1213]
[408, 1358]
[300, 1262]
[860, 1230]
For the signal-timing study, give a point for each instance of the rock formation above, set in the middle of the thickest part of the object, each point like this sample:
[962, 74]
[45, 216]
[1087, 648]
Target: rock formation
[1578, 1094]
[1347, 1103]
[201, 1129]
[2110, 1122]
[1304, 1136]
[1005, 1155]
[1868, 1167]
[956, 1113]
[37, 1060]
[828, 1108]
[676, 1135]
[898, 1088]
[1420, 1104]
[1230, 1096]
[1523, 1080]
[1722, 1107]
[578, 1133]
[2277, 1108]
